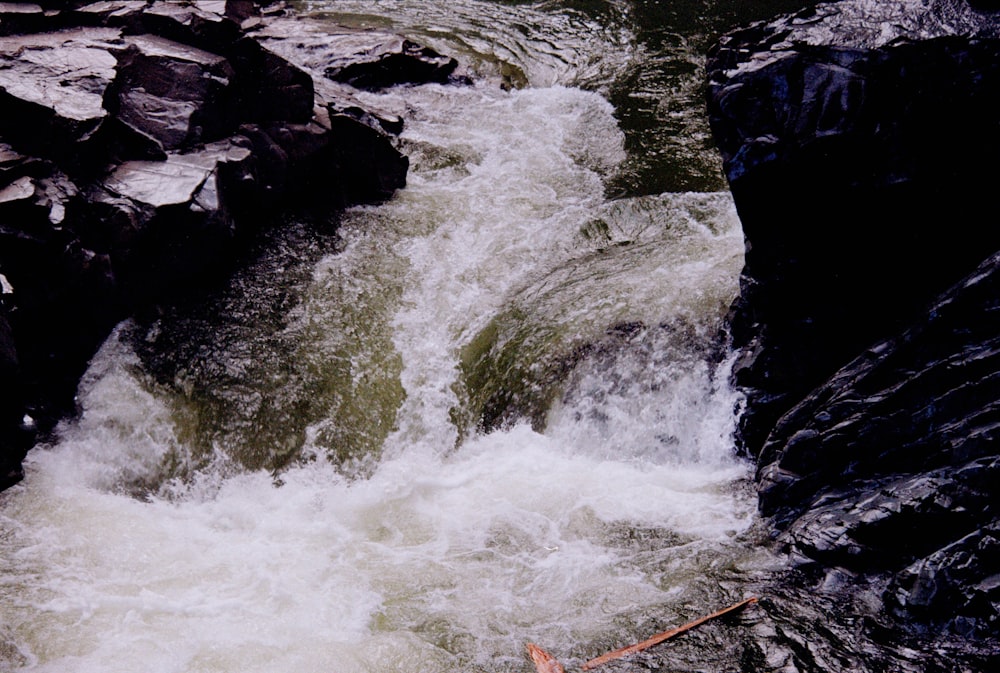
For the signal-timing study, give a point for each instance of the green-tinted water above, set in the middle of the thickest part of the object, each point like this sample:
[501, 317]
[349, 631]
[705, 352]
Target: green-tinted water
[295, 473]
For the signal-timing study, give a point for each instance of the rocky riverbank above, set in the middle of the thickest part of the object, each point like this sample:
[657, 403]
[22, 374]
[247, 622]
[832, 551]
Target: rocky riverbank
[141, 142]
[857, 138]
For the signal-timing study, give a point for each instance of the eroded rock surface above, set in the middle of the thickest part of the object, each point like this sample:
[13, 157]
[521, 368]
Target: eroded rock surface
[853, 137]
[856, 137]
[892, 466]
[141, 141]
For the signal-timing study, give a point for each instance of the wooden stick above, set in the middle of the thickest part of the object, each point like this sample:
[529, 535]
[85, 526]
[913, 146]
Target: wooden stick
[544, 662]
[660, 637]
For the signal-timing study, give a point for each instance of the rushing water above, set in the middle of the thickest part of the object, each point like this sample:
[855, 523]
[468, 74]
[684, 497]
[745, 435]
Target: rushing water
[489, 412]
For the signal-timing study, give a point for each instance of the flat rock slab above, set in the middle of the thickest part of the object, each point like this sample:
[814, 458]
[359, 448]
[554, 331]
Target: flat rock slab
[54, 83]
[21, 189]
[175, 181]
[20, 8]
[114, 7]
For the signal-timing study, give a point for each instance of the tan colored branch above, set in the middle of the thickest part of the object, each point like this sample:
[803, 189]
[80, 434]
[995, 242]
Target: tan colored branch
[544, 662]
[658, 638]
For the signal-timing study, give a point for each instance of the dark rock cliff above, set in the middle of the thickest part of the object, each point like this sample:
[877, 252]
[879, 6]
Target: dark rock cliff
[858, 139]
[140, 142]
[855, 137]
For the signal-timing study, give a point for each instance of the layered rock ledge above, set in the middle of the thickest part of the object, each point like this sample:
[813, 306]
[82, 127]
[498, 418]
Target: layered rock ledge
[140, 142]
[858, 139]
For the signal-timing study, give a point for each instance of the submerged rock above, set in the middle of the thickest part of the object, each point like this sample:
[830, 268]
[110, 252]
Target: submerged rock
[856, 138]
[141, 142]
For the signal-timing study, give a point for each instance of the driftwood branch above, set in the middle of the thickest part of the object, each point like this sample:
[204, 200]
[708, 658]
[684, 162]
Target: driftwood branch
[658, 638]
[544, 662]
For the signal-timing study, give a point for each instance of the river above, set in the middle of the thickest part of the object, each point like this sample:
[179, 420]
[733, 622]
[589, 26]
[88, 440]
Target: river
[419, 435]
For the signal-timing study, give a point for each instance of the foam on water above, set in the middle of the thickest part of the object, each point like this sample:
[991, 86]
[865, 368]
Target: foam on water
[433, 562]
[447, 554]
[515, 211]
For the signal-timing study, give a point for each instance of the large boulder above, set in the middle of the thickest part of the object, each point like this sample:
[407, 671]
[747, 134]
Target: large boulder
[857, 138]
[140, 142]
[176, 95]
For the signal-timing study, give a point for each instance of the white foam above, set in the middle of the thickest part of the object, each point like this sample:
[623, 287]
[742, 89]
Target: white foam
[445, 557]
[517, 211]
[509, 537]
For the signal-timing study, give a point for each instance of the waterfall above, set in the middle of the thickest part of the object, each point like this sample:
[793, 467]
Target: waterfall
[493, 410]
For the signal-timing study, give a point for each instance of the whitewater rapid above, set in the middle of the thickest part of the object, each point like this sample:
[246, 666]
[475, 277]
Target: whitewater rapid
[180, 524]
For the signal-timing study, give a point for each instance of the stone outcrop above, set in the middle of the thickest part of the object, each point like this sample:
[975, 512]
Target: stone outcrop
[893, 464]
[853, 136]
[140, 142]
[857, 139]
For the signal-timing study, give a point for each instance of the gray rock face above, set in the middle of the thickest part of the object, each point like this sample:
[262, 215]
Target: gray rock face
[52, 87]
[858, 138]
[172, 93]
[139, 143]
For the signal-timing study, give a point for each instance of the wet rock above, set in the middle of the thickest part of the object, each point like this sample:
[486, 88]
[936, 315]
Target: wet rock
[834, 621]
[956, 588]
[153, 210]
[335, 158]
[854, 136]
[271, 87]
[888, 524]
[65, 293]
[10, 160]
[16, 17]
[52, 89]
[172, 93]
[240, 10]
[363, 59]
[924, 401]
[201, 24]
[140, 144]
[188, 179]
[365, 165]
[392, 60]
[14, 442]
[850, 134]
